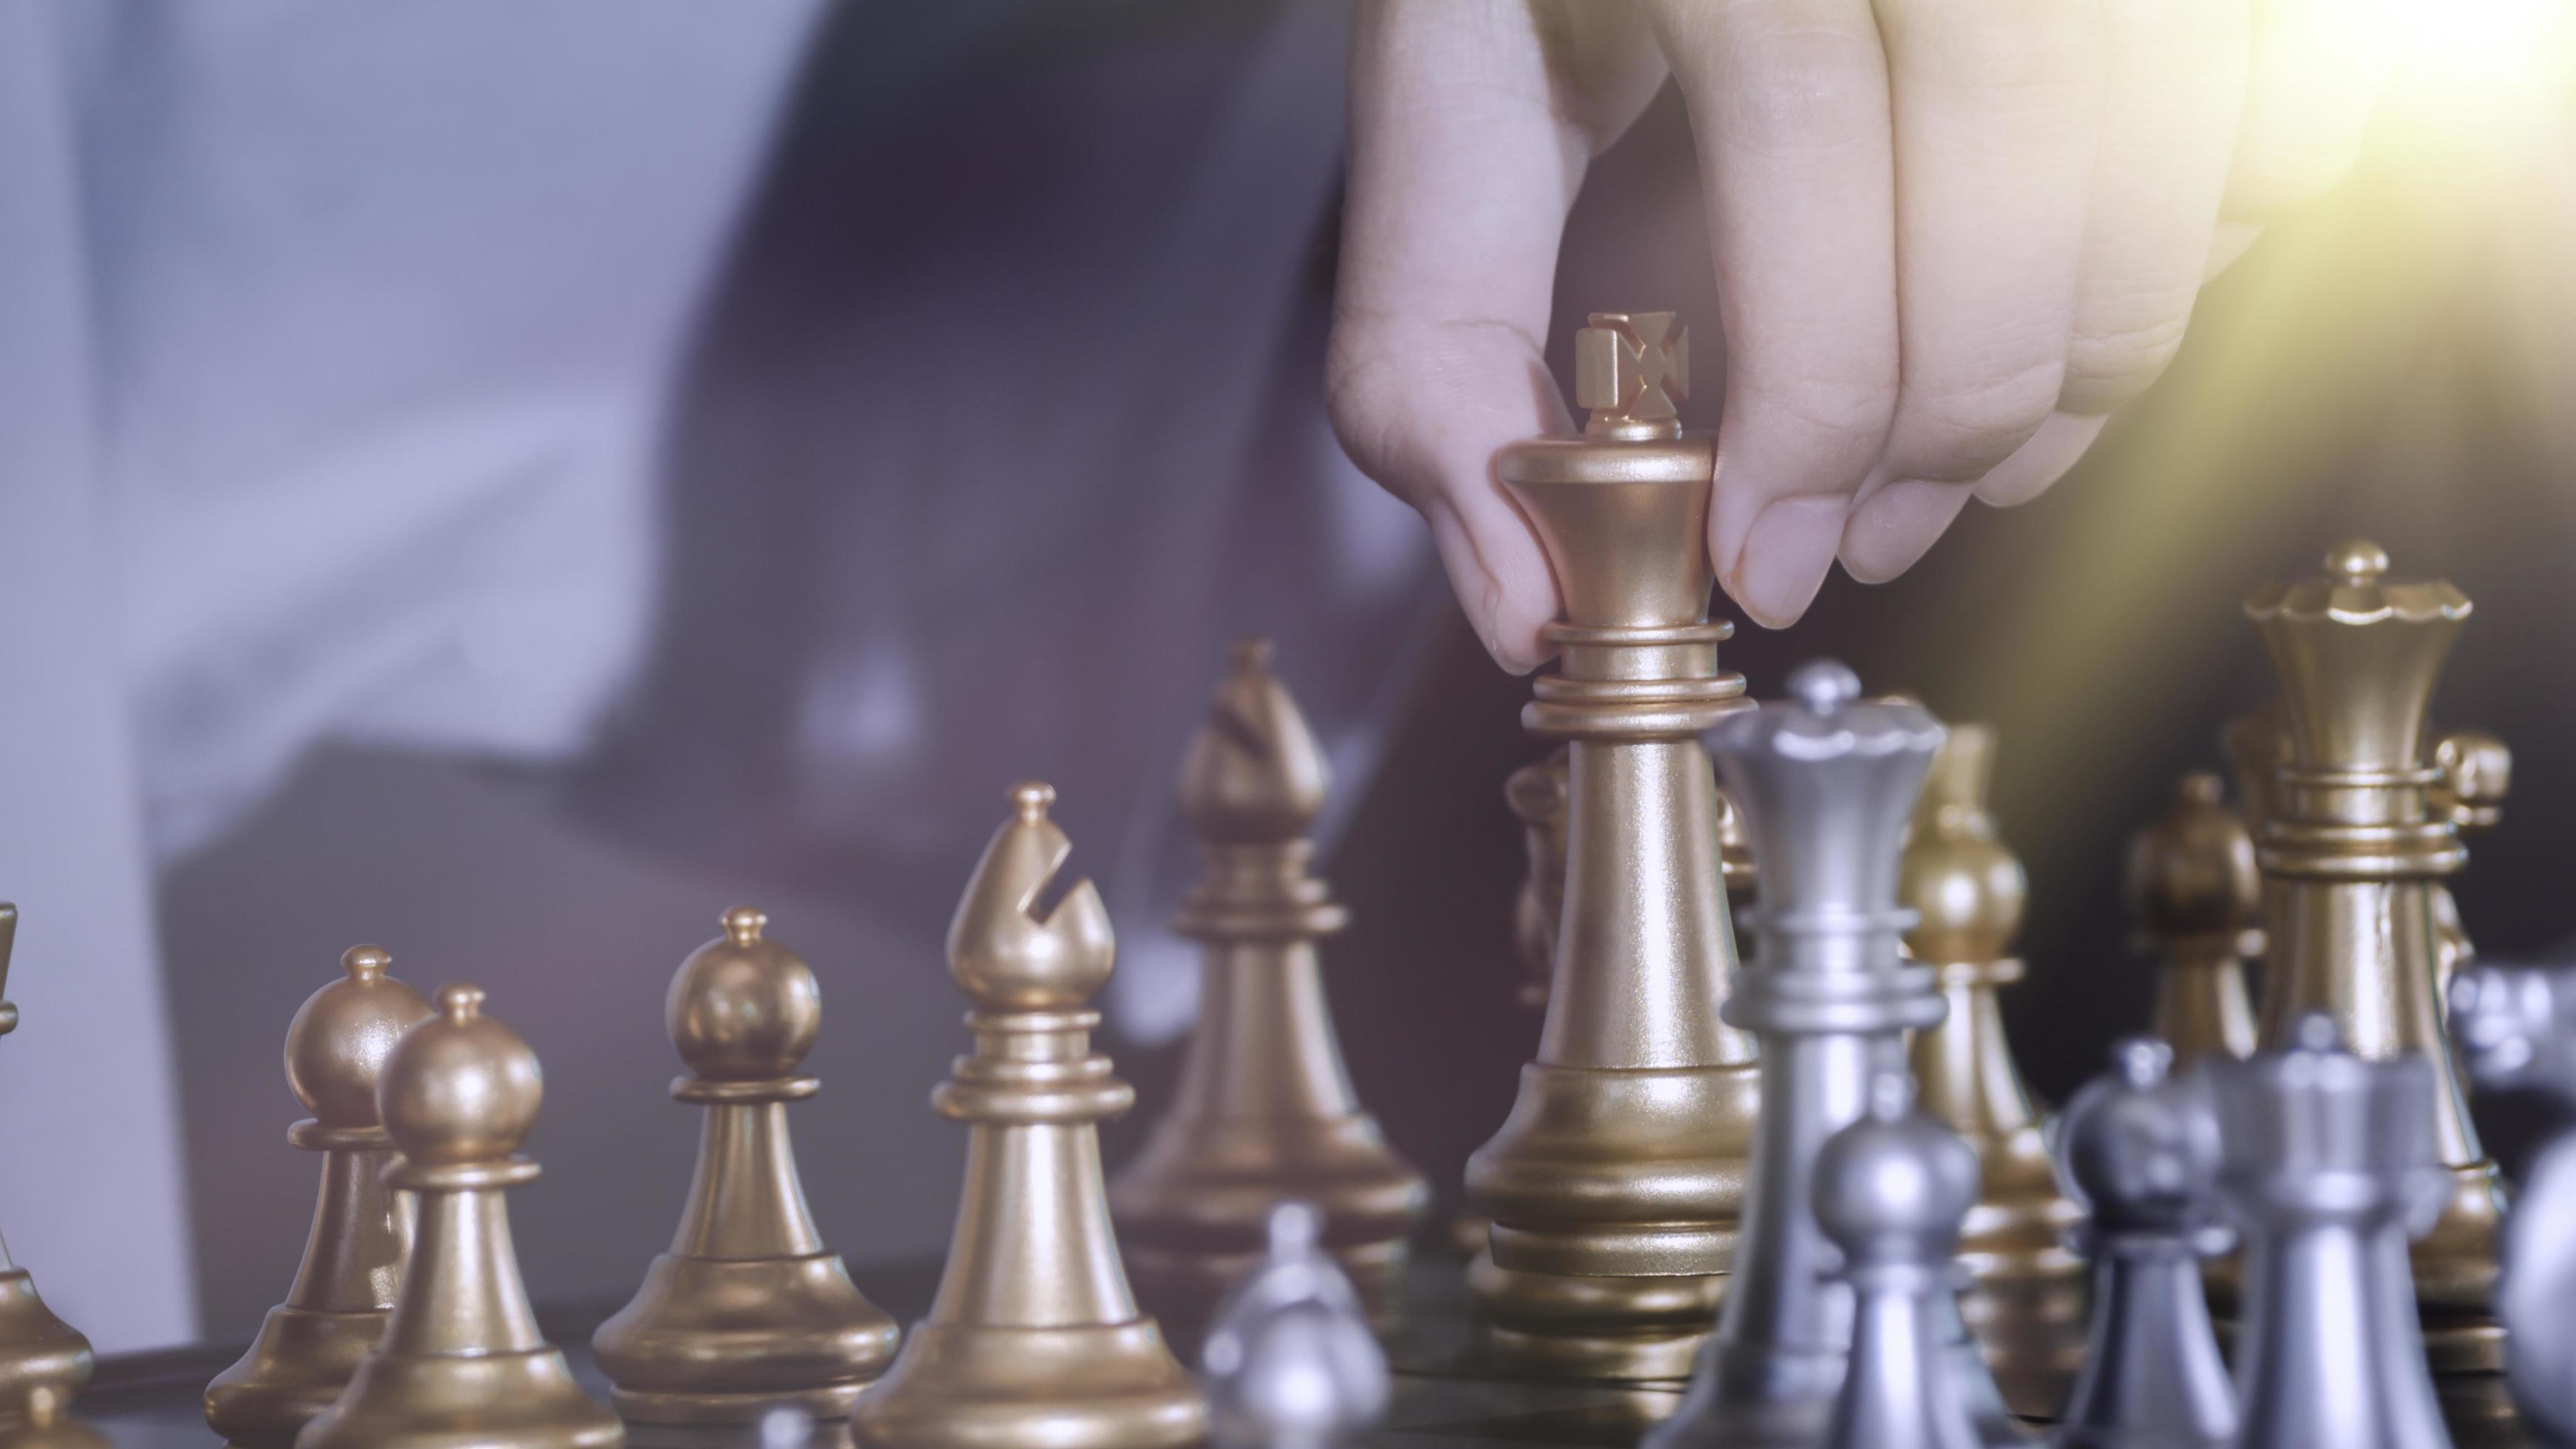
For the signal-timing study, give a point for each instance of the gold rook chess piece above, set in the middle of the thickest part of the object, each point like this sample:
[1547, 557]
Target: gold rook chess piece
[2026, 1296]
[1265, 1113]
[2352, 843]
[1034, 1337]
[353, 1259]
[2194, 893]
[461, 1364]
[42, 1358]
[748, 1311]
[1616, 1185]
[2476, 770]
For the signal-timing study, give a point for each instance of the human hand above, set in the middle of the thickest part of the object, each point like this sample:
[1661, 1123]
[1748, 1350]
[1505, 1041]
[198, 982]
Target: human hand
[1951, 237]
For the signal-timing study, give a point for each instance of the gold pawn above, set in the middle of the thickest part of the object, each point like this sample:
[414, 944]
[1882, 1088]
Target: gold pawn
[2026, 1300]
[1265, 1113]
[2476, 770]
[2353, 840]
[309, 1345]
[748, 1311]
[1034, 1337]
[2194, 892]
[42, 1358]
[46, 1423]
[461, 1362]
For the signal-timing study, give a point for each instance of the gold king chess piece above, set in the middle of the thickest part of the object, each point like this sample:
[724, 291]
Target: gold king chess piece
[748, 1311]
[2025, 1300]
[353, 1260]
[2195, 894]
[2353, 844]
[1034, 1337]
[42, 1359]
[1265, 1113]
[461, 1364]
[1616, 1185]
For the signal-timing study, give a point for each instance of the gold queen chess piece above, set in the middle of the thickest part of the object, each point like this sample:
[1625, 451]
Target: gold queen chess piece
[1616, 1184]
[362, 1228]
[2194, 894]
[462, 1364]
[1265, 1112]
[2351, 846]
[1034, 1337]
[2026, 1298]
[748, 1311]
[41, 1357]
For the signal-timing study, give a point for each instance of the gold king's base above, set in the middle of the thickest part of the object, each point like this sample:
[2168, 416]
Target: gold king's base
[962, 1386]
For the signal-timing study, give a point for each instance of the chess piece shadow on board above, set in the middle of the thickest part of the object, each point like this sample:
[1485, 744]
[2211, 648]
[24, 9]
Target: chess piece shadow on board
[461, 1364]
[41, 1357]
[748, 1311]
[361, 1236]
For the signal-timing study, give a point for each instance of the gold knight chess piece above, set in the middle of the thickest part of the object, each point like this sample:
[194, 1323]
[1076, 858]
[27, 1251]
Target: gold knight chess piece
[461, 1364]
[2352, 846]
[2026, 1300]
[1265, 1113]
[2476, 770]
[1034, 1337]
[42, 1358]
[748, 1311]
[2195, 894]
[1617, 1184]
[309, 1345]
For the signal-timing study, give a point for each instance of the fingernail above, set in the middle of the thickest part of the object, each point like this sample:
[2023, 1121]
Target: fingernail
[1786, 553]
[1893, 528]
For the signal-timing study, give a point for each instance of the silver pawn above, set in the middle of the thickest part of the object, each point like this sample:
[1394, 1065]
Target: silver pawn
[1892, 1190]
[2328, 1166]
[1826, 782]
[2140, 1152]
[1289, 1361]
[2516, 1030]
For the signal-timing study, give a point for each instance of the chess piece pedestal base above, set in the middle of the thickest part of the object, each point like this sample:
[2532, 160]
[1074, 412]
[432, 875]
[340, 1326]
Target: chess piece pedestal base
[37, 1350]
[753, 1333]
[961, 1386]
[446, 1401]
[295, 1369]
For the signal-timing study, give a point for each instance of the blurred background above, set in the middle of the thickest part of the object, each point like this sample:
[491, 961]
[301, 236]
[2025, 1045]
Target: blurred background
[508, 482]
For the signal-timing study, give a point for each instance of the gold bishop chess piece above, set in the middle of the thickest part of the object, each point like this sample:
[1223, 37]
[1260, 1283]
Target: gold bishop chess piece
[1265, 1112]
[461, 1364]
[748, 1311]
[2353, 843]
[362, 1228]
[1034, 1338]
[1616, 1185]
[2194, 893]
[41, 1357]
[2026, 1300]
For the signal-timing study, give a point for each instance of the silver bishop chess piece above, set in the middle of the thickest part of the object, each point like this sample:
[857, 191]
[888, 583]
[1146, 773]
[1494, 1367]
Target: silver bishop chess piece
[2516, 1031]
[1827, 783]
[1289, 1361]
[2328, 1165]
[2140, 1150]
[1892, 1190]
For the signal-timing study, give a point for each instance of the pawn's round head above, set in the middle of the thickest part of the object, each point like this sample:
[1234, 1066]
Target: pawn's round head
[1895, 1185]
[743, 1008]
[337, 1044]
[460, 1086]
[2192, 873]
[2141, 1148]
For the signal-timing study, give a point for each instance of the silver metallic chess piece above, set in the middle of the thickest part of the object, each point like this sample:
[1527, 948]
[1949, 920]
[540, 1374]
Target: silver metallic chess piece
[2328, 1165]
[1827, 782]
[2516, 1030]
[2140, 1150]
[1289, 1361]
[1892, 1190]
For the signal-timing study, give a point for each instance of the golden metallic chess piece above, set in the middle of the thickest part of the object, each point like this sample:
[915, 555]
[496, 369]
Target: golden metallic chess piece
[747, 1311]
[2476, 770]
[1034, 1338]
[40, 1355]
[2026, 1297]
[461, 1364]
[353, 1260]
[46, 1423]
[1617, 1183]
[2353, 844]
[1539, 793]
[2195, 894]
[1265, 1113]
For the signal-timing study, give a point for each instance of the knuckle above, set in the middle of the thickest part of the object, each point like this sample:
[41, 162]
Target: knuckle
[1995, 43]
[1959, 432]
[1839, 421]
[1797, 86]
[2107, 369]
